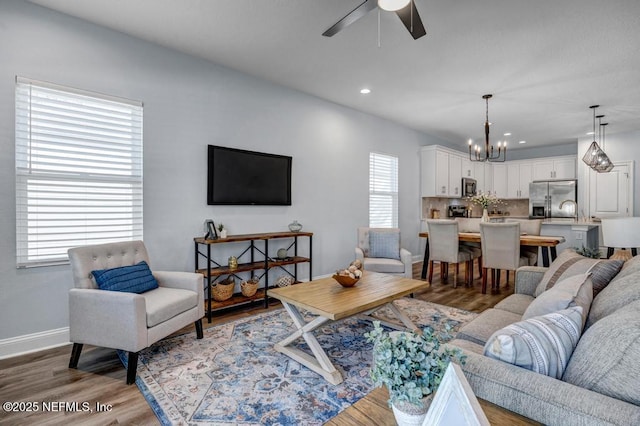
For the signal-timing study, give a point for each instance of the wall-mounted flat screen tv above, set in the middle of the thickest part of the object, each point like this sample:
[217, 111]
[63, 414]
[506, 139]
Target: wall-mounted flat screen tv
[241, 177]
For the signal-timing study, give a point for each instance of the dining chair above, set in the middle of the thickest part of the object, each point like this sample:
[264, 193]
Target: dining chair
[500, 251]
[445, 249]
[471, 224]
[529, 227]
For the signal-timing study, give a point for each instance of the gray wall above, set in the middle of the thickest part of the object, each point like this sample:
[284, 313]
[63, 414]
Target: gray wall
[544, 151]
[190, 103]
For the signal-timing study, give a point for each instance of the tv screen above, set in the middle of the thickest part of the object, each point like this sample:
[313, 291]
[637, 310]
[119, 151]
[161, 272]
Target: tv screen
[240, 177]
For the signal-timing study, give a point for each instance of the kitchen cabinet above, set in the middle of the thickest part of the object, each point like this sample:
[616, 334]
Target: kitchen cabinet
[555, 168]
[500, 180]
[440, 172]
[468, 169]
[455, 176]
[483, 174]
[518, 178]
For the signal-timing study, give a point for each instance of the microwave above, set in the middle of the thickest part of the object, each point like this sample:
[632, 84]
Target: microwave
[469, 187]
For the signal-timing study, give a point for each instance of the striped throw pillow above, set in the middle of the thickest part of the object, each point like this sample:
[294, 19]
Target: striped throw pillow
[131, 279]
[541, 344]
[570, 263]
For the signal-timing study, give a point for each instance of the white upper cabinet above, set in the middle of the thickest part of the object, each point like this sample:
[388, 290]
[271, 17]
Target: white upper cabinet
[455, 176]
[468, 169]
[441, 172]
[555, 168]
[500, 180]
[518, 178]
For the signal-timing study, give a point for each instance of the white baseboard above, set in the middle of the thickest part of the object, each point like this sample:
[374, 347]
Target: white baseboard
[28, 343]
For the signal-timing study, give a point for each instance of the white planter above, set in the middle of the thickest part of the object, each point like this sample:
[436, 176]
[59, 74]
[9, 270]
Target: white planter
[223, 233]
[410, 415]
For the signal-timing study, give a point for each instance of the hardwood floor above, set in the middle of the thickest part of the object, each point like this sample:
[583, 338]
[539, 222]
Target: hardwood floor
[44, 377]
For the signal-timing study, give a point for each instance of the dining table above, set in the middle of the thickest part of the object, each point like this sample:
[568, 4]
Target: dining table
[545, 242]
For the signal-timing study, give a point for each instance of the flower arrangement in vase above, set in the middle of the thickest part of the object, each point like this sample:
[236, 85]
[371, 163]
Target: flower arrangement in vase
[411, 365]
[485, 199]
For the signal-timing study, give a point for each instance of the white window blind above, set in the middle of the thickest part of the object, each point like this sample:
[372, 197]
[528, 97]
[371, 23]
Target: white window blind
[78, 171]
[383, 191]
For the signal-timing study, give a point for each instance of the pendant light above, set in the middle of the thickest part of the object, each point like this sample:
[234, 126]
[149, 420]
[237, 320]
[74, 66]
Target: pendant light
[595, 155]
[604, 163]
[475, 152]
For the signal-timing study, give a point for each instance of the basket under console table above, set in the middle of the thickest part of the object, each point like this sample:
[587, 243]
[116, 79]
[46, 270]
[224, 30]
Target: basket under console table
[254, 258]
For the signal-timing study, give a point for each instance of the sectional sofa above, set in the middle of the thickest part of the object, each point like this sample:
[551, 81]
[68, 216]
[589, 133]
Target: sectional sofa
[595, 383]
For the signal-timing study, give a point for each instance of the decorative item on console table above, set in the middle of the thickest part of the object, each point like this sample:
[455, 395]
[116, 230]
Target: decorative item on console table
[411, 366]
[210, 230]
[249, 287]
[223, 290]
[222, 230]
[295, 226]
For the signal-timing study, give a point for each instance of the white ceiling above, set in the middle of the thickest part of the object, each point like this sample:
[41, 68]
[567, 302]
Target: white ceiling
[544, 61]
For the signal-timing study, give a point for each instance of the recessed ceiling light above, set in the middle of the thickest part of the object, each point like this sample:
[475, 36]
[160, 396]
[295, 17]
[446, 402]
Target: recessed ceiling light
[365, 91]
[507, 134]
[521, 142]
[590, 133]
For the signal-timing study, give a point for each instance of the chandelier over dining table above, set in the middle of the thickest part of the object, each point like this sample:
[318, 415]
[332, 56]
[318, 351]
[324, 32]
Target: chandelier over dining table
[489, 154]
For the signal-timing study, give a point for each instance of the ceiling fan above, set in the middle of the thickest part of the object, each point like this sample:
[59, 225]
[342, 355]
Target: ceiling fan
[405, 9]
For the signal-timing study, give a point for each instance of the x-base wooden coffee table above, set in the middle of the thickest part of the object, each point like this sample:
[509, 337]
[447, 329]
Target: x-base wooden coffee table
[332, 302]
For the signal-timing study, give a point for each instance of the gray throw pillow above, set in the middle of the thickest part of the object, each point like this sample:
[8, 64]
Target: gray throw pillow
[570, 263]
[573, 291]
[384, 244]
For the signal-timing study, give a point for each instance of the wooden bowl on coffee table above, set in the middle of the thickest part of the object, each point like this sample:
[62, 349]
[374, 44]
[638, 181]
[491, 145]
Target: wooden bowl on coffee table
[345, 280]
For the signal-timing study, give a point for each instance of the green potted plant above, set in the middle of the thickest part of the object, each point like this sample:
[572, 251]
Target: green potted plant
[411, 365]
[222, 230]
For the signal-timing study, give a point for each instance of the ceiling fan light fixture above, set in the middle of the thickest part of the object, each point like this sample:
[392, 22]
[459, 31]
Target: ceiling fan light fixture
[392, 5]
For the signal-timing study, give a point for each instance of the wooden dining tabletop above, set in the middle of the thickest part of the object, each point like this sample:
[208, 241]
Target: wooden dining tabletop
[546, 242]
[525, 240]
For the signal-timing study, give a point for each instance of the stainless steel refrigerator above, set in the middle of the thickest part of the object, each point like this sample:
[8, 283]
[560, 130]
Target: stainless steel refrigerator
[553, 199]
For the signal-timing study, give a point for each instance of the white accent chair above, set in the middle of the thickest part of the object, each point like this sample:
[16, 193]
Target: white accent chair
[398, 265]
[128, 321]
[500, 251]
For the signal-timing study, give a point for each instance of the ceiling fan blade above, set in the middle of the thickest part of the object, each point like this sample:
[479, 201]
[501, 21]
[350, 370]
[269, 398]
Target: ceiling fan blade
[353, 16]
[405, 16]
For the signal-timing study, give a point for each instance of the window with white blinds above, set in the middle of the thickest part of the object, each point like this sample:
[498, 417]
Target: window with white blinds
[78, 171]
[383, 191]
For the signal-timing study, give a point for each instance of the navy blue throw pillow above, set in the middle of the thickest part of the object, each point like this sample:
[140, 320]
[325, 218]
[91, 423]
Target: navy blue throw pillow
[131, 279]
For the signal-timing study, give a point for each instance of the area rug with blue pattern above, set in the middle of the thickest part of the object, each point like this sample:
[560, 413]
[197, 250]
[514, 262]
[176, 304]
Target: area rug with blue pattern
[234, 376]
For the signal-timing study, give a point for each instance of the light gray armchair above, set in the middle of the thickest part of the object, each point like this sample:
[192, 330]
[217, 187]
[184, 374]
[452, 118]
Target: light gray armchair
[128, 321]
[386, 241]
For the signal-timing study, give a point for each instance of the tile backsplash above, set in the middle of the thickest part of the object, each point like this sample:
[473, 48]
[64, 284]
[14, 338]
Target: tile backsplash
[516, 208]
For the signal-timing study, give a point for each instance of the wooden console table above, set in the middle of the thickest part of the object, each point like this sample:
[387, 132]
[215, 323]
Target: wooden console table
[259, 261]
[374, 410]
